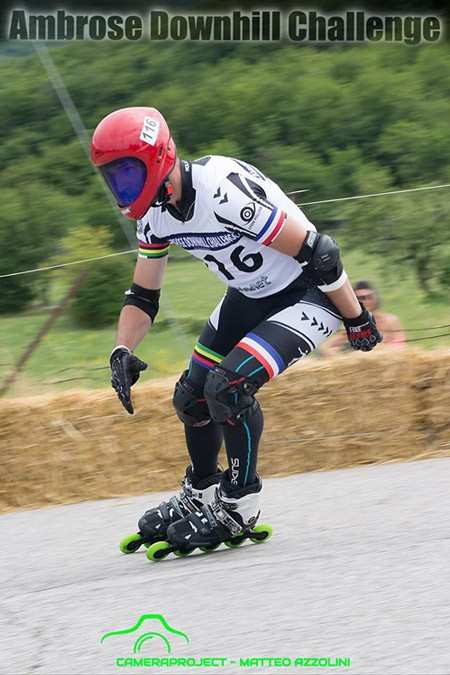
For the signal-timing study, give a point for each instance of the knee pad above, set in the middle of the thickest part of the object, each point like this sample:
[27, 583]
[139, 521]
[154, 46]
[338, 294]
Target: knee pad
[190, 407]
[230, 397]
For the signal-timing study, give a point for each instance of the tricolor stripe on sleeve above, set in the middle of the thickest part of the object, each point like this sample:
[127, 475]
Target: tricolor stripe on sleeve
[273, 227]
[153, 250]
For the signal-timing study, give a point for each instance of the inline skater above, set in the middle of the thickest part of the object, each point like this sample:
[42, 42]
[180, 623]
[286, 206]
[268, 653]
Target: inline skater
[287, 292]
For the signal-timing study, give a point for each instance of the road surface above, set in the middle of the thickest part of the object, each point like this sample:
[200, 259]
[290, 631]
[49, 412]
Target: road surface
[358, 568]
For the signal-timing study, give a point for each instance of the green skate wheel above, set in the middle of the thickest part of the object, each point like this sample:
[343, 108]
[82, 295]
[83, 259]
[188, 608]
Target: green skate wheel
[158, 551]
[131, 543]
[235, 541]
[260, 533]
[209, 549]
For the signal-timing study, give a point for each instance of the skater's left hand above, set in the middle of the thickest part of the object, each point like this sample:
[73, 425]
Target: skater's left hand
[362, 331]
[126, 369]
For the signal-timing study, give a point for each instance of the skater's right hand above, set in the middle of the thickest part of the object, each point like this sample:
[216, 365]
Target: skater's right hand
[125, 368]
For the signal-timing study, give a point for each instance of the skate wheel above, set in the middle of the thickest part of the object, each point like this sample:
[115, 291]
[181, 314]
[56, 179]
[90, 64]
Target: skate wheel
[182, 554]
[131, 543]
[209, 549]
[158, 550]
[235, 541]
[260, 533]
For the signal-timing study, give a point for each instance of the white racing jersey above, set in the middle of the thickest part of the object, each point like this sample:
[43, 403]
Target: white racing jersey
[228, 215]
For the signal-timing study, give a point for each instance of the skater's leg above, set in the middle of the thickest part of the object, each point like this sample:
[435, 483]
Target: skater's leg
[272, 346]
[229, 322]
[203, 435]
[241, 444]
[230, 391]
[203, 444]
[285, 335]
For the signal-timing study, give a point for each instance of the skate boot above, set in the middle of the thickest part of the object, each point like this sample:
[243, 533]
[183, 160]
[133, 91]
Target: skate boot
[230, 518]
[154, 523]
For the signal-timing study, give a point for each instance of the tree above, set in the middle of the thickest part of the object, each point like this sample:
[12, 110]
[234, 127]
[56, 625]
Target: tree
[100, 297]
[31, 225]
[406, 233]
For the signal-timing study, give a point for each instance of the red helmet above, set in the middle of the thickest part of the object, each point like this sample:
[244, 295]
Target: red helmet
[135, 153]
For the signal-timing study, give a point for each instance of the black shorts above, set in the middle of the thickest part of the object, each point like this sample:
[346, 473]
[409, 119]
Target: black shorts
[260, 338]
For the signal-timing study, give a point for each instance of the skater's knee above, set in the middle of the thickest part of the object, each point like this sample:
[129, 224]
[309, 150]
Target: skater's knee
[189, 403]
[230, 397]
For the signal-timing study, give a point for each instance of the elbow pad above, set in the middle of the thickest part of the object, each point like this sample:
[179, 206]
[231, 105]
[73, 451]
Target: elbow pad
[146, 299]
[320, 258]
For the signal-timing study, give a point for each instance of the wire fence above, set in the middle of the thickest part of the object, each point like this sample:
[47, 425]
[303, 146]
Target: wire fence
[378, 194]
[58, 266]
[101, 373]
[134, 250]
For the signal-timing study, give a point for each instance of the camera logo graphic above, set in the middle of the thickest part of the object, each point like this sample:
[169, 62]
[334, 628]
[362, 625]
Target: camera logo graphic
[164, 633]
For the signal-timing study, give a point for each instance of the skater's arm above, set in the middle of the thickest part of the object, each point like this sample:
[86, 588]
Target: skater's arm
[290, 241]
[132, 327]
[133, 321]
[319, 256]
[345, 300]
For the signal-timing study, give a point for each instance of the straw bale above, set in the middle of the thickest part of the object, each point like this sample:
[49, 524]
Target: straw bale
[433, 401]
[321, 414]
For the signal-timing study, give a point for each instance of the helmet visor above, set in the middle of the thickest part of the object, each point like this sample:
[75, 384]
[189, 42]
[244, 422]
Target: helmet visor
[125, 178]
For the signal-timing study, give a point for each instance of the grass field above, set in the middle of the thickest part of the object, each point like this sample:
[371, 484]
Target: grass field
[69, 357]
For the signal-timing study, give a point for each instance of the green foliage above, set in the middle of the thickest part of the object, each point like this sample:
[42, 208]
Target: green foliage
[98, 301]
[408, 234]
[335, 121]
[444, 268]
[27, 238]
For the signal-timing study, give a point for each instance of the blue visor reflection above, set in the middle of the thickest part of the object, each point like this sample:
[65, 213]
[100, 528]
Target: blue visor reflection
[125, 178]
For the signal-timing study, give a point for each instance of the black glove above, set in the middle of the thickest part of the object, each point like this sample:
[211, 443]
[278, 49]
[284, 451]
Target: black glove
[362, 332]
[126, 369]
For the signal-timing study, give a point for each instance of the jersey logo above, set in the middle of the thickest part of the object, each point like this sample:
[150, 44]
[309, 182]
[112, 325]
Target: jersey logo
[209, 241]
[218, 194]
[248, 212]
[150, 130]
[261, 282]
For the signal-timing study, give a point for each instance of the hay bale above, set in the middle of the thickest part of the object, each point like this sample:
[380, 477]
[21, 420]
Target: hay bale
[356, 409]
[433, 401]
[321, 414]
[82, 445]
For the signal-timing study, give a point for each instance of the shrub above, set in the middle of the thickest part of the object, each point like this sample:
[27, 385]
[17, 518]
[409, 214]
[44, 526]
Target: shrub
[99, 299]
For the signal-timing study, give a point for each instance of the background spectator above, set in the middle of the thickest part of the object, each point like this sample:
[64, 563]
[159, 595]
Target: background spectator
[388, 324]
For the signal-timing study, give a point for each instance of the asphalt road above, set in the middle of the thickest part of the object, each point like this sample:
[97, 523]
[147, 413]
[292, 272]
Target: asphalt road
[358, 567]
